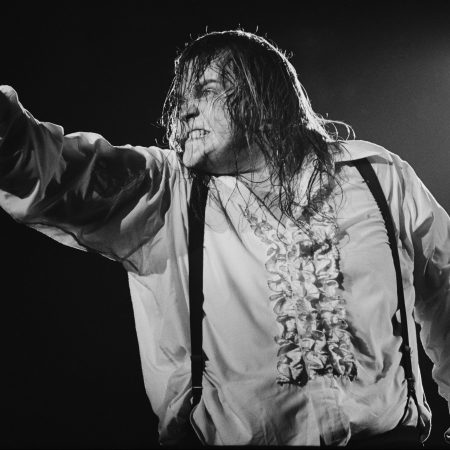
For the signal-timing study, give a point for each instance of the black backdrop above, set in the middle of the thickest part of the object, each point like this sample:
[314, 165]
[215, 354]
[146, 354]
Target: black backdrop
[70, 372]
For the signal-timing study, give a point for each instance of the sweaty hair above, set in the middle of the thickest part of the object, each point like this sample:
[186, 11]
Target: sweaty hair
[267, 106]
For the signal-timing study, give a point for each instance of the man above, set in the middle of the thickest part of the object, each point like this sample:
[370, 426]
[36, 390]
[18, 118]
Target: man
[302, 337]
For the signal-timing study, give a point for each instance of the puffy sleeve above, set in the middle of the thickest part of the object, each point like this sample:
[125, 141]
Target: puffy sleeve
[429, 227]
[78, 188]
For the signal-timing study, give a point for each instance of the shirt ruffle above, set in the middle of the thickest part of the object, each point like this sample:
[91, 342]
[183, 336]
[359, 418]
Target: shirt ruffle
[304, 276]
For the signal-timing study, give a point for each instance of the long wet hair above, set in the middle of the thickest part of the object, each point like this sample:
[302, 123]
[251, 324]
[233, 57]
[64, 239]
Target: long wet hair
[267, 106]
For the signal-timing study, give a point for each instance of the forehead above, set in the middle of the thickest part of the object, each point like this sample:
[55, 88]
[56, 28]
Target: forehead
[201, 69]
[194, 74]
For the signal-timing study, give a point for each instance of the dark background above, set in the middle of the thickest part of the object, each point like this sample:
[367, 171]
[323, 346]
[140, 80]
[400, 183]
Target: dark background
[70, 371]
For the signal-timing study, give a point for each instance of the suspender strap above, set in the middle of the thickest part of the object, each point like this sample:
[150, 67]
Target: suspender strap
[196, 218]
[366, 170]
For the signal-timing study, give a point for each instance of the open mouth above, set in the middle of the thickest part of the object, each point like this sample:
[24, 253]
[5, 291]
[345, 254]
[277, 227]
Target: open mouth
[197, 134]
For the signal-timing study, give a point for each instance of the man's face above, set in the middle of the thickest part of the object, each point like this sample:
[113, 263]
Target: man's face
[208, 138]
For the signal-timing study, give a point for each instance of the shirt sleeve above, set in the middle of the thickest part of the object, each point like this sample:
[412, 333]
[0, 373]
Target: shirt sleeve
[430, 232]
[78, 188]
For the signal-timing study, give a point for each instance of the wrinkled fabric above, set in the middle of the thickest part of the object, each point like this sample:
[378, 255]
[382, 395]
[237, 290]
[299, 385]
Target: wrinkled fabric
[278, 306]
[303, 266]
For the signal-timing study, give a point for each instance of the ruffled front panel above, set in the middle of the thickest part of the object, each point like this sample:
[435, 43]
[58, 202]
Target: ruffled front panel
[303, 274]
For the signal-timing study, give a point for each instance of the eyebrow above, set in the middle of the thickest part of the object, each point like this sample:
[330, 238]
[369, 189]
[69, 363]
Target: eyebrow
[181, 97]
[209, 80]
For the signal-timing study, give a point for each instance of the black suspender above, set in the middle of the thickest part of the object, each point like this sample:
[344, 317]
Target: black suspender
[366, 170]
[196, 215]
[196, 218]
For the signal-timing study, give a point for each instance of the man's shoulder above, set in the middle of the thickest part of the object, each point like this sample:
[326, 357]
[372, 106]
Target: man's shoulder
[391, 169]
[357, 149]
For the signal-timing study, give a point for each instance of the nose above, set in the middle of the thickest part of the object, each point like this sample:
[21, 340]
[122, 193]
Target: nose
[189, 110]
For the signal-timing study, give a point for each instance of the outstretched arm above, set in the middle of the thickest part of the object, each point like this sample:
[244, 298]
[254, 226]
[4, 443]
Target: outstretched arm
[79, 188]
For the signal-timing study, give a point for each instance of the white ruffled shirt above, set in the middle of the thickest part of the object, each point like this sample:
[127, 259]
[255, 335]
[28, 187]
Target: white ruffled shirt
[301, 328]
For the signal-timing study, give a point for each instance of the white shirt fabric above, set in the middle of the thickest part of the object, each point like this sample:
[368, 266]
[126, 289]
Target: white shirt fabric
[130, 204]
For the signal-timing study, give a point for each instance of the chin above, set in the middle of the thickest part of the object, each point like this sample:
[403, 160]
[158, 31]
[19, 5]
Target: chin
[193, 161]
